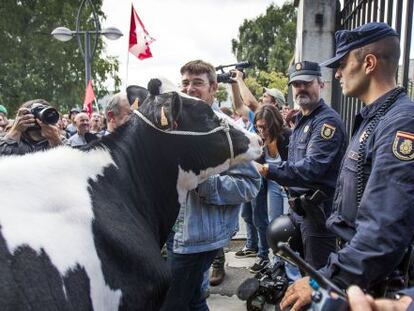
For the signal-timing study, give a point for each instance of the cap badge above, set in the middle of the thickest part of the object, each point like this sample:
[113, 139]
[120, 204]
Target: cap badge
[298, 66]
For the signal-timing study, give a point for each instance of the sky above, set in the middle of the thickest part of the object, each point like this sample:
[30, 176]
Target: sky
[184, 30]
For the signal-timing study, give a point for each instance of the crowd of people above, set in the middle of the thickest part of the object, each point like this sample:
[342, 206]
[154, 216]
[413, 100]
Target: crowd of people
[352, 204]
[27, 133]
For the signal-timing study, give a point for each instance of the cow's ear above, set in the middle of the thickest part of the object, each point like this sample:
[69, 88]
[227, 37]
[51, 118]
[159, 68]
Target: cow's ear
[176, 106]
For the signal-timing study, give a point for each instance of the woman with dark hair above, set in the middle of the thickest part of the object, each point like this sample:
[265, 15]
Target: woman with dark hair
[269, 202]
[270, 126]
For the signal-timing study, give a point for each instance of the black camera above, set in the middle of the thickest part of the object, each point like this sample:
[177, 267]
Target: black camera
[226, 77]
[267, 287]
[44, 113]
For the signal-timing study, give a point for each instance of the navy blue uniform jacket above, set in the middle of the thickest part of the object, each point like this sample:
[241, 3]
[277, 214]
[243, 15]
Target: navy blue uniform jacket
[316, 147]
[379, 231]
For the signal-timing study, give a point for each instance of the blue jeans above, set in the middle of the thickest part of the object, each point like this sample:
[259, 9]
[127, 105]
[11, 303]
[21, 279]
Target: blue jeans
[254, 214]
[275, 197]
[185, 292]
[206, 280]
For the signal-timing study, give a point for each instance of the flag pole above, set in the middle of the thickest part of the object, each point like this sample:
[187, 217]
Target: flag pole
[127, 62]
[96, 104]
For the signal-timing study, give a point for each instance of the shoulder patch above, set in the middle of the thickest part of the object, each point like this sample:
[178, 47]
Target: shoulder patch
[403, 146]
[327, 131]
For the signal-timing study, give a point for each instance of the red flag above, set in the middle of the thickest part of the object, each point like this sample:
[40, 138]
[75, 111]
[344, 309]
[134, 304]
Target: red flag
[89, 98]
[139, 39]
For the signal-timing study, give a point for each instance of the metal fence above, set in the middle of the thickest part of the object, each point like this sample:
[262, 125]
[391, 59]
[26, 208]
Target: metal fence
[399, 15]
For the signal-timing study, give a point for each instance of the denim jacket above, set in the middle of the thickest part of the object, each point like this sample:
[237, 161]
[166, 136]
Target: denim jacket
[209, 217]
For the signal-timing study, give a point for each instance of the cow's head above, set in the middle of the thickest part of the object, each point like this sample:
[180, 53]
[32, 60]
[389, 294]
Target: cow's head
[213, 142]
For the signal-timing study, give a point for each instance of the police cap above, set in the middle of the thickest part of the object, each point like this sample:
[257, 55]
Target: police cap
[304, 71]
[348, 40]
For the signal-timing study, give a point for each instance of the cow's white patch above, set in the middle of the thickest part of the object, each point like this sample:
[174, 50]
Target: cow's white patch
[188, 180]
[255, 148]
[44, 203]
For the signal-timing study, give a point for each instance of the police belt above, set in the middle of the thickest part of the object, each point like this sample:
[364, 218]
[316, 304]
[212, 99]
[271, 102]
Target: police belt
[301, 205]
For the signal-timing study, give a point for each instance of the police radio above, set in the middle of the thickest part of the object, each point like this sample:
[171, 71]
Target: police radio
[322, 298]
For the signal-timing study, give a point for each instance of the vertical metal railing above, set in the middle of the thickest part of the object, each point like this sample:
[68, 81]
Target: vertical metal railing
[399, 15]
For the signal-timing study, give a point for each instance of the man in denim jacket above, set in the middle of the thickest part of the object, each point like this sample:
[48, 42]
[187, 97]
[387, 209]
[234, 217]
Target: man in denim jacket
[209, 217]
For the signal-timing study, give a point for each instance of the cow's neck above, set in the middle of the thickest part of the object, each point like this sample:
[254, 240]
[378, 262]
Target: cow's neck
[147, 170]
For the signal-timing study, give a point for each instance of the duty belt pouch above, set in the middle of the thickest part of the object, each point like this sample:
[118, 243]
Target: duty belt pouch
[296, 206]
[316, 215]
[312, 204]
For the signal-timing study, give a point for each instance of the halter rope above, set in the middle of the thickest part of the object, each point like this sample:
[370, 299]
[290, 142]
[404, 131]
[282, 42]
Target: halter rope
[223, 127]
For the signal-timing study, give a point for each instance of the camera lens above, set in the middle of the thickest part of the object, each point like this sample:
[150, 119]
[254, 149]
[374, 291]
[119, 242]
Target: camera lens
[46, 114]
[49, 115]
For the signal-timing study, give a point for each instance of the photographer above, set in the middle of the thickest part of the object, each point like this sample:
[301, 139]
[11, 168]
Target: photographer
[28, 133]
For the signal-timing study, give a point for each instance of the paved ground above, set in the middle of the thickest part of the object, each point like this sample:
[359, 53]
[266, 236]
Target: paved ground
[223, 297]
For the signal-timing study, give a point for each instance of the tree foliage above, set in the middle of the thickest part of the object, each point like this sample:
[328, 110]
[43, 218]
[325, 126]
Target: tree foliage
[35, 65]
[222, 93]
[268, 41]
[270, 80]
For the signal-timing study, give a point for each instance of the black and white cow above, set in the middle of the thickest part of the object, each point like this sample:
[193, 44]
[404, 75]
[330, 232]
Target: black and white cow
[82, 229]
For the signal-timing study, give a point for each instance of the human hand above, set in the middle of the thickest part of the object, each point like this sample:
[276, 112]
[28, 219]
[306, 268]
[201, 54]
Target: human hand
[24, 120]
[297, 296]
[258, 166]
[358, 301]
[262, 169]
[236, 75]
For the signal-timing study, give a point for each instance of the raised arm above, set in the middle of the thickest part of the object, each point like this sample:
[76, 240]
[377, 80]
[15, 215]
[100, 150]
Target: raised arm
[248, 99]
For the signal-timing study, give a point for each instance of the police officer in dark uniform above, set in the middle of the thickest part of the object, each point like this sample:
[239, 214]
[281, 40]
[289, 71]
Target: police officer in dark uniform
[373, 213]
[316, 148]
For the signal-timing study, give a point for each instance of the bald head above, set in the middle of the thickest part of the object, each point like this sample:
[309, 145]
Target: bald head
[118, 111]
[82, 123]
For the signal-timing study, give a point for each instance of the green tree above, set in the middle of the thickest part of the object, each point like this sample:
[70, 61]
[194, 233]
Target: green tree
[221, 94]
[35, 65]
[270, 80]
[268, 41]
